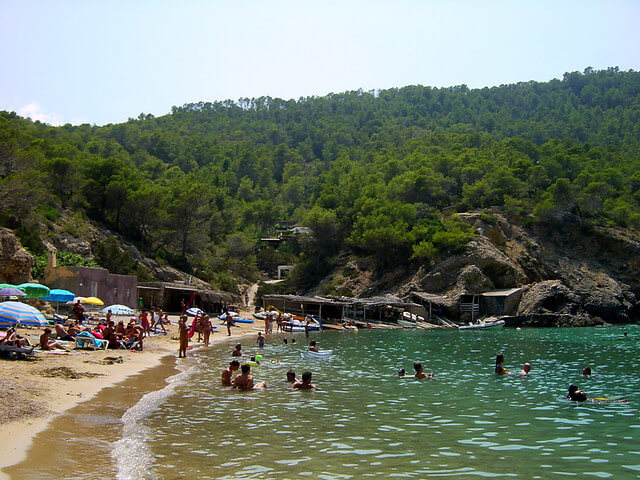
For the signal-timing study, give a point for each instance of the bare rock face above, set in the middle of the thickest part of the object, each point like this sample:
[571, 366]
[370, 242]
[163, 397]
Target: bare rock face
[550, 296]
[15, 261]
[472, 280]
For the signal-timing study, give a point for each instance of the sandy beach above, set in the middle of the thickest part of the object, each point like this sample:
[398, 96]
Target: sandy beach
[33, 392]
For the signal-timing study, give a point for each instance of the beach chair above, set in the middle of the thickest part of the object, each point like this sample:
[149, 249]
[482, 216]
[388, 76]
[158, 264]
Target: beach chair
[86, 340]
[13, 351]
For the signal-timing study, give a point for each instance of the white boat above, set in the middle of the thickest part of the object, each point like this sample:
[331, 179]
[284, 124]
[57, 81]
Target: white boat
[475, 326]
[411, 317]
[295, 325]
[407, 324]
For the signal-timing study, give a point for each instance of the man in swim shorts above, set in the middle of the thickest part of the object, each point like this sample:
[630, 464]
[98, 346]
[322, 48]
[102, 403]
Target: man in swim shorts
[228, 372]
[305, 384]
[261, 340]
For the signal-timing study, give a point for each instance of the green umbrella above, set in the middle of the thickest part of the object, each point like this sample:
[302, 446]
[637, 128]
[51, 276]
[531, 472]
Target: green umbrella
[7, 285]
[34, 290]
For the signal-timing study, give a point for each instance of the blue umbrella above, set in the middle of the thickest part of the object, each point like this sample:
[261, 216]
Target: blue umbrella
[11, 292]
[16, 312]
[118, 310]
[59, 295]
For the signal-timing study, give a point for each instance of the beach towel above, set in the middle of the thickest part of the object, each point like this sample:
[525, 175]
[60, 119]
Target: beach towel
[85, 334]
[192, 330]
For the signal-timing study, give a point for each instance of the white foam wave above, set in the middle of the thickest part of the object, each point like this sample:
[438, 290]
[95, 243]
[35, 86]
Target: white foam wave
[133, 457]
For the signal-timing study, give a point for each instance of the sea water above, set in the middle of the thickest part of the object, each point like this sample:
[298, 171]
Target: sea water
[364, 421]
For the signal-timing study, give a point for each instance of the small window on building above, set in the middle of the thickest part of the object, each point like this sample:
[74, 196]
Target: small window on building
[94, 289]
[128, 292]
[115, 292]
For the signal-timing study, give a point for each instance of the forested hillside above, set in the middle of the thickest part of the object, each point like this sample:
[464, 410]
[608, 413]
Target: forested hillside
[376, 173]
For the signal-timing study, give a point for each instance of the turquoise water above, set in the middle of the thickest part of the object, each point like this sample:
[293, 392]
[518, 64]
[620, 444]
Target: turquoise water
[364, 421]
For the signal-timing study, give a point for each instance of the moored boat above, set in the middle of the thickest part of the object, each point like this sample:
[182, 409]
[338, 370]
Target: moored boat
[475, 326]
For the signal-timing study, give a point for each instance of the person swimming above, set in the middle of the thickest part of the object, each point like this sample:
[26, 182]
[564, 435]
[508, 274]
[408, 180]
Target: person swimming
[244, 381]
[586, 371]
[291, 376]
[419, 371]
[576, 395]
[526, 368]
[312, 346]
[401, 372]
[237, 352]
[499, 369]
[228, 372]
[305, 384]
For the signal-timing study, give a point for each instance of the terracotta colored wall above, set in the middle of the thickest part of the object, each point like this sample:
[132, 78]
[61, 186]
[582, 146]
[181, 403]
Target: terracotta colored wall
[111, 288]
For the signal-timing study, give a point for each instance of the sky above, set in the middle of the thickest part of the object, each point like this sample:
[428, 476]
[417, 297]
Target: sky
[99, 62]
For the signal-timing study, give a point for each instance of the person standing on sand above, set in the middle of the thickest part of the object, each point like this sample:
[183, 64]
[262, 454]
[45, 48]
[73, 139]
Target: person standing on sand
[144, 323]
[184, 337]
[305, 384]
[78, 311]
[234, 365]
[206, 329]
[230, 323]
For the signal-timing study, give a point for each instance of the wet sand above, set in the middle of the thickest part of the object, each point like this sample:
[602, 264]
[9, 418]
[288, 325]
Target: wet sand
[58, 408]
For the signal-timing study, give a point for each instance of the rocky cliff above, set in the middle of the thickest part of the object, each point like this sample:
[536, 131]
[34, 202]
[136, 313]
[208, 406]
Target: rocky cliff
[15, 261]
[590, 273]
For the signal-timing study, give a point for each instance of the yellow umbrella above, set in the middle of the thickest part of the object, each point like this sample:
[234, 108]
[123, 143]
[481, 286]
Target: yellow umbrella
[93, 301]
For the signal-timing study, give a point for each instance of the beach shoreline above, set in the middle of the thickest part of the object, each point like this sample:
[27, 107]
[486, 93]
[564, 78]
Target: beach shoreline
[38, 391]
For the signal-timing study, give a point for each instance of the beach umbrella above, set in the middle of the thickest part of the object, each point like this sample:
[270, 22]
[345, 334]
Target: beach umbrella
[93, 301]
[193, 311]
[118, 310]
[59, 295]
[7, 285]
[11, 292]
[34, 290]
[21, 313]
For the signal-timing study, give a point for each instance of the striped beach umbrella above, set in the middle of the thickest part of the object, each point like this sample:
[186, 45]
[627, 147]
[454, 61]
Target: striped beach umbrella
[21, 313]
[118, 310]
[11, 292]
